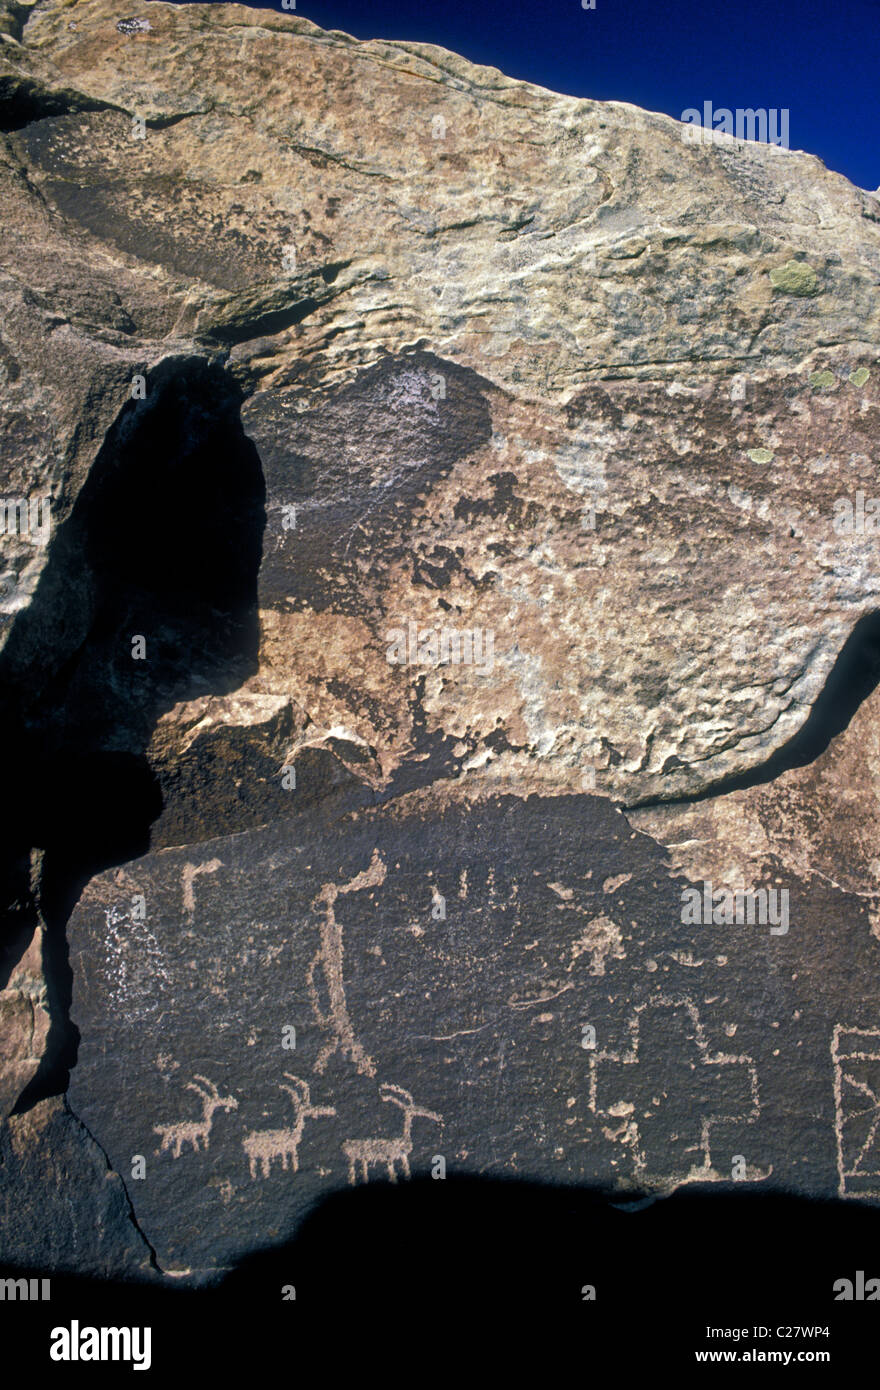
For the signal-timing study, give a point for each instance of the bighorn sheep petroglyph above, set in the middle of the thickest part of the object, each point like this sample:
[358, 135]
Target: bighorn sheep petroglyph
[191, 1131]
[264, 1145]
[390, 1152]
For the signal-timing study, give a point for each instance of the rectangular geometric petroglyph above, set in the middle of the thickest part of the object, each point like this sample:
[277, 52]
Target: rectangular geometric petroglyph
[855, 1053]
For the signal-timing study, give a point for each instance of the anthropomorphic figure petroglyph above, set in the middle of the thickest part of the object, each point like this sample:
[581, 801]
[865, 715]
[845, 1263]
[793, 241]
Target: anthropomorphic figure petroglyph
[328, 960]
[192, 1131]
[263, 1145]
[361, 1153]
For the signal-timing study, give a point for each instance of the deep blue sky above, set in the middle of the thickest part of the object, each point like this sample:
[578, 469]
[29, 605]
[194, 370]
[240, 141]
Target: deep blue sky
[819, 58]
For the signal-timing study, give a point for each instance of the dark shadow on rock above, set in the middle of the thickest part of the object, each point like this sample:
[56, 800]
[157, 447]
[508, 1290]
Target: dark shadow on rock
[148, 597]
[505, 1266]
[482, 1243]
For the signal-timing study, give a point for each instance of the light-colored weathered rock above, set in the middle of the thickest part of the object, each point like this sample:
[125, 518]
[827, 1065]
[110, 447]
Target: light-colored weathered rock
[24, 1023]
[822, 820]
[320, 208]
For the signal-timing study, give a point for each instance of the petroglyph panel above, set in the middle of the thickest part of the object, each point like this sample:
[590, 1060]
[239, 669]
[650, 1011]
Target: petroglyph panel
[556, 1021]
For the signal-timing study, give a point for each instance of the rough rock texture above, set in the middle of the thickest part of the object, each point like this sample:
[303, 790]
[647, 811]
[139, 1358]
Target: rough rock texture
[459, 1037]
[61, 1206]
[312, 344]
[822, 820]
[598, 301]
[24, 1023]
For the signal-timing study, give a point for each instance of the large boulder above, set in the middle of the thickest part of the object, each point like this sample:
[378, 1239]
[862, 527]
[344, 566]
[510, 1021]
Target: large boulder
[422, 472]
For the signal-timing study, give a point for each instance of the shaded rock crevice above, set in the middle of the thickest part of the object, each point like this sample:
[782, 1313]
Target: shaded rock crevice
[148, 597]
[131, 1214]
[23, 103]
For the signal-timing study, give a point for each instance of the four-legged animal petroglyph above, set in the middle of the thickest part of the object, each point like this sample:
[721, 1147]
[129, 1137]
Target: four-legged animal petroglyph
[191, 1131]
[264, 1145]
[361, 1153]
[328, 960]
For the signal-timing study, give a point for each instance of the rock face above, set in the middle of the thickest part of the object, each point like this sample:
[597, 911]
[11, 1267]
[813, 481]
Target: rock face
[556, 1022]
[448, 539]
[61, 1207]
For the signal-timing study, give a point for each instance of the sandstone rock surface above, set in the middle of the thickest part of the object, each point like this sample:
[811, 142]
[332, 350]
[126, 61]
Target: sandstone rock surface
[318, 346]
